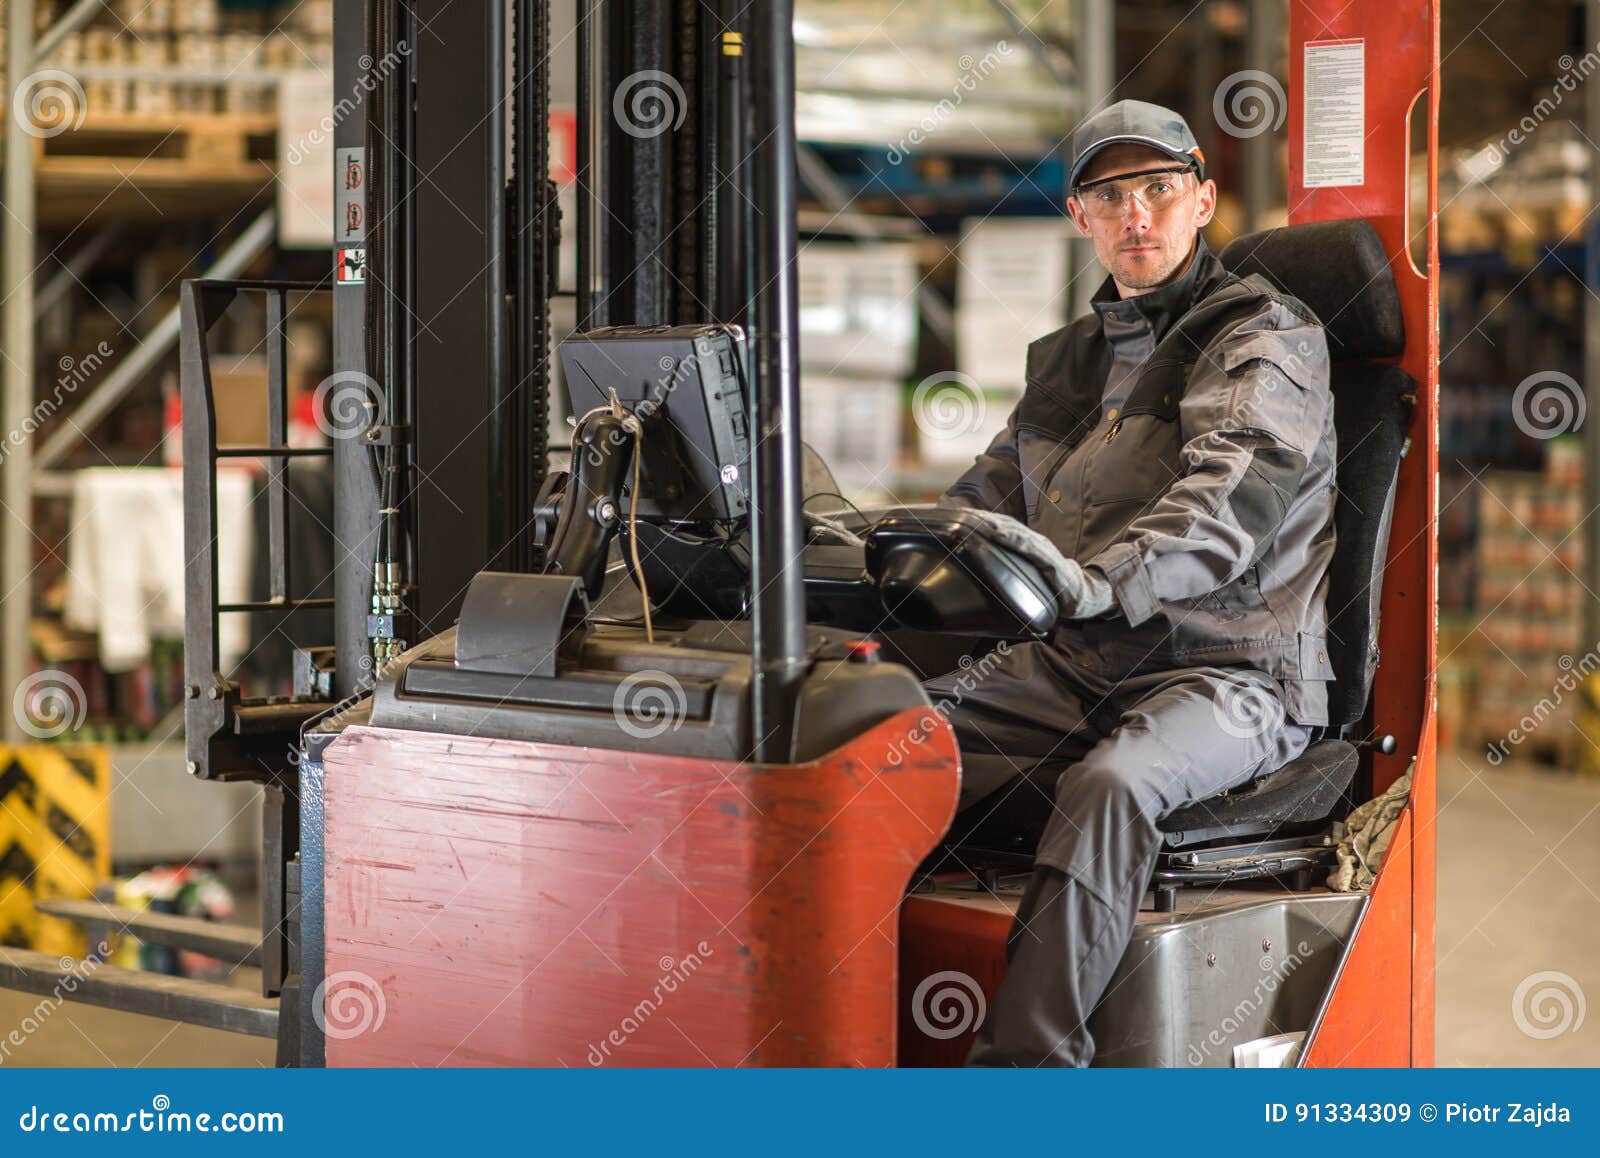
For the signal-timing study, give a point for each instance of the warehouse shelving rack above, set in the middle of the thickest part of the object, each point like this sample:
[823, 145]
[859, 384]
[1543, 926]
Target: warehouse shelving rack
[32, 467]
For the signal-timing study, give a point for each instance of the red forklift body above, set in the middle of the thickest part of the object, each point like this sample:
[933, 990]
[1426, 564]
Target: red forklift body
[526, 903]
[529, 904]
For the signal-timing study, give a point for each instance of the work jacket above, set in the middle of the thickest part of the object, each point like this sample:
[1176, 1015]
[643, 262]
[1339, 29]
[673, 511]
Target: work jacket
[1181, 443]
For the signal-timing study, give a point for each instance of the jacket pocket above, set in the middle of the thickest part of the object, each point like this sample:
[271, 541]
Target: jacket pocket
[1040, 456]
[1314, 661]
[1243, 594]
[1134, 460]
[1288, 399]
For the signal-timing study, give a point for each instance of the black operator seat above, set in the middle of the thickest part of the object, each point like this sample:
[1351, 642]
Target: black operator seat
[1342, 272]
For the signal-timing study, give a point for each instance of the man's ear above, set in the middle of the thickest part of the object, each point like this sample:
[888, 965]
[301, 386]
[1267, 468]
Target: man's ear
[1205, 204]
[1079, 218]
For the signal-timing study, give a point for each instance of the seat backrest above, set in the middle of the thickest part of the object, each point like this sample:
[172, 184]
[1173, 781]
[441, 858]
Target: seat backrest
[1340, 270]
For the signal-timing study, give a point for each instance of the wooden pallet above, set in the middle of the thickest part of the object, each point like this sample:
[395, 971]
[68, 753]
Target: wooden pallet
[154, 165]
[184, 146]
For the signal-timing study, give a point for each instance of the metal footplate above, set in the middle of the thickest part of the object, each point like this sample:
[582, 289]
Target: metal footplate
[92, 982]
[232, 944]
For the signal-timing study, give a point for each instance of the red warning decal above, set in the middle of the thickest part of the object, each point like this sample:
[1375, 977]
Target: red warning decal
[352, 266]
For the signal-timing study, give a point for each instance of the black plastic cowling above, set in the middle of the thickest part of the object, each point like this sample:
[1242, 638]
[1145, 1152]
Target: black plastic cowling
[937, 572]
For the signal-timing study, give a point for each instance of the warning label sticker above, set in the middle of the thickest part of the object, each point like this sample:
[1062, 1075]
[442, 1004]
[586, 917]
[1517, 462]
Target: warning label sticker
[352, 267]
[350, 196]
[1335, 113]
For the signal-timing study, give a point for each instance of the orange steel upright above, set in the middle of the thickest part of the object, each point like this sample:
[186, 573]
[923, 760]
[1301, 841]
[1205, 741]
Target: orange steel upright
[1381, 1009]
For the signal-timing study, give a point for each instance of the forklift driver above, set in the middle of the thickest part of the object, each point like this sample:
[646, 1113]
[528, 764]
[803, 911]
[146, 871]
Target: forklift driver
[1176, 447]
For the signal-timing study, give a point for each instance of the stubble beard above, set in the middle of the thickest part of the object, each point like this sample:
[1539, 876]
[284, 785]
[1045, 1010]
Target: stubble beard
[1147, 276]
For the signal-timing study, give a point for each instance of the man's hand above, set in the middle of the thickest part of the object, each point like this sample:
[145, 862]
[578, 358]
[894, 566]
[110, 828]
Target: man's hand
[1082, 592]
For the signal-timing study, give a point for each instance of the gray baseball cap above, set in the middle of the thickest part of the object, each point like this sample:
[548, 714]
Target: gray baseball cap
[1134, 123]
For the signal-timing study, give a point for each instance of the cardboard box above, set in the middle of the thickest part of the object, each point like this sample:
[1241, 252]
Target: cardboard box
[858, 308]
[1013, 285]
[854, 425]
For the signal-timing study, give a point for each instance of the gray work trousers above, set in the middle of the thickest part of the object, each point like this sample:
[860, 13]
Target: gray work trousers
[1052, 748]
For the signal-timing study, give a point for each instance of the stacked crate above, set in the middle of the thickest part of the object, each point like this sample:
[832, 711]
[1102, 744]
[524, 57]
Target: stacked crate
[1013, 285]
[1528, 647]
[858, 334]
[174, 39]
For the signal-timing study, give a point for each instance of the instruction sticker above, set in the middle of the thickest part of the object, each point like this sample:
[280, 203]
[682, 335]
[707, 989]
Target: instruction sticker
[352, 267]
[350, 196]
[1335, 113]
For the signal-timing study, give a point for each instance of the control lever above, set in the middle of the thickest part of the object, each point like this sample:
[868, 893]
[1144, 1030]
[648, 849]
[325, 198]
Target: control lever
[591, 508]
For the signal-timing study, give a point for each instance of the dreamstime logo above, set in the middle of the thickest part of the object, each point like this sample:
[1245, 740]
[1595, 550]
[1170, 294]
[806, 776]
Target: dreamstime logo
[1274, 974]
[371, 75]
[74, 373]
[1245, 709]
[75, 972]
[649, 103]
[49, 704]
[973, 673]
[1248, 103]
[1573, 74]
[1308, 362]
[1548, 1004]
[648, 703]
[948, 1004]
[948, 405]
[347, 404]
[674, 372]
[972, 71]
[1573, 673]
[348, 1004]
[48, 103]
[1547, 404]
[674, 973]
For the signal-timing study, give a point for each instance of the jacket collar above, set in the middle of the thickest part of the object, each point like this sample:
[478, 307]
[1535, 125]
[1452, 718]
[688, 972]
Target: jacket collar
[1161, 307]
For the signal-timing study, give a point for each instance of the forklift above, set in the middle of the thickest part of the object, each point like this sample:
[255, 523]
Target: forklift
[626, 759]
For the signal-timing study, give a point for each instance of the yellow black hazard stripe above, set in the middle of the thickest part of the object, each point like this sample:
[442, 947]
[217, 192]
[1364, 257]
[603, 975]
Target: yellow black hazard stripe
[55, 838]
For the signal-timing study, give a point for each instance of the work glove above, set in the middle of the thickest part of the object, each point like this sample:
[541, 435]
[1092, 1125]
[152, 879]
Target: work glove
[1083, 593]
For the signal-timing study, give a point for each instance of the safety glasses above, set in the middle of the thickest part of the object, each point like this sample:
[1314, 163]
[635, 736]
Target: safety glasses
[1112, 197]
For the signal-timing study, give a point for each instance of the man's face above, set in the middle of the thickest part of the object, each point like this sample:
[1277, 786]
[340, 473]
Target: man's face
[1143, 248]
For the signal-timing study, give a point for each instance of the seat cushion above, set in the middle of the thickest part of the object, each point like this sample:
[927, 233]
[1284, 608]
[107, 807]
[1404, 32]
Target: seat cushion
[1305, 790]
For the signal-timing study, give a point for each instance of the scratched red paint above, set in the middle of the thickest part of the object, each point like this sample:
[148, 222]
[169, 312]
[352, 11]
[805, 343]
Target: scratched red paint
[937, 935]
[529, 904]
[1381, 1012]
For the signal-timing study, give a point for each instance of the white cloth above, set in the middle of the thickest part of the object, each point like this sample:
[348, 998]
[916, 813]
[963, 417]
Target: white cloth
[126, 560]
[1366, 838]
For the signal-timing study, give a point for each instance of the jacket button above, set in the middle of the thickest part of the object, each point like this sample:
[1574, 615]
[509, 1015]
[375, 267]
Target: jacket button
[1055, 496]
[1321, 658]
[1087, 662]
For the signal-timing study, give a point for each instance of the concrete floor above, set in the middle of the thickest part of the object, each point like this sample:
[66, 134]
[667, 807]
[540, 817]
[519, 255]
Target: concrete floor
[1519, 896]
